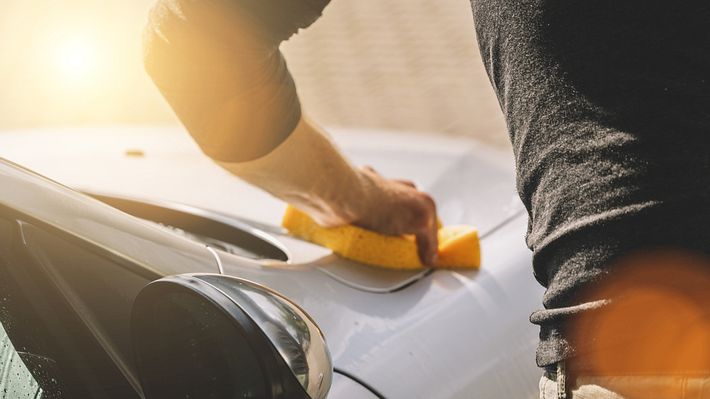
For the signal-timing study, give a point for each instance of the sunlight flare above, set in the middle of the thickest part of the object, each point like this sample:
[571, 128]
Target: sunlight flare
[76, 59]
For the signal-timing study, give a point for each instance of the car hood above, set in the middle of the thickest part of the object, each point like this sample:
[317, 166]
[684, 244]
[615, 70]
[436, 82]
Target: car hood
[471, 183]
[453, 332]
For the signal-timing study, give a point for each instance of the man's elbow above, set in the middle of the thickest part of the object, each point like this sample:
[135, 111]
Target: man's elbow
[236, 105]
[233, 131]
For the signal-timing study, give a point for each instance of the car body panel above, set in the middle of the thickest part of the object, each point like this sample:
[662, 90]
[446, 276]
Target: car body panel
[441, 334]
[344, 387]
[100, 224]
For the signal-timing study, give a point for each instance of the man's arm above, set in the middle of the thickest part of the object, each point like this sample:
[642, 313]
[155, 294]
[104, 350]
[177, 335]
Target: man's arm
[218, 64]
[308, 171]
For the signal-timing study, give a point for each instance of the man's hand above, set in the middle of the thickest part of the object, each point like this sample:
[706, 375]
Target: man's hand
[397, 207]
[387, 206]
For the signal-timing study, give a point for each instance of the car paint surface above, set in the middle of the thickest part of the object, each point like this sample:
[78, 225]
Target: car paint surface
[445, 334]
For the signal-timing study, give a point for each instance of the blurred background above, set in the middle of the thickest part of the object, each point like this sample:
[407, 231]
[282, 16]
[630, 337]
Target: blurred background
[409, 65]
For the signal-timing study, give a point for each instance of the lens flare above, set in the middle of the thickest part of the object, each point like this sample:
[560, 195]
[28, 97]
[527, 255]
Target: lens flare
[658, 320]
[76, 59]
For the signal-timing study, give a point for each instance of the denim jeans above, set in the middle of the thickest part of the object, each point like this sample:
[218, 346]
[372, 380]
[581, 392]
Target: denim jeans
[558, 386]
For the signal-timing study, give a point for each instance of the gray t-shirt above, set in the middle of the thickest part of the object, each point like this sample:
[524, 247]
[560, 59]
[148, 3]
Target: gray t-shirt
[607, 105]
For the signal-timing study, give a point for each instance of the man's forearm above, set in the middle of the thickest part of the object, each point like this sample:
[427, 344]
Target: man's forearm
[308, 171]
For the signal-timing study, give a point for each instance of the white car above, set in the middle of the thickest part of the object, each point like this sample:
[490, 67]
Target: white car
[72, 267]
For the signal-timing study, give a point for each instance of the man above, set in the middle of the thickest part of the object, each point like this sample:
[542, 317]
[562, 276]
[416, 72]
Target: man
[608, 109]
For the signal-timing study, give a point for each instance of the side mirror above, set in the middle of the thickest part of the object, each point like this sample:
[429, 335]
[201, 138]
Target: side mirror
[215, 336]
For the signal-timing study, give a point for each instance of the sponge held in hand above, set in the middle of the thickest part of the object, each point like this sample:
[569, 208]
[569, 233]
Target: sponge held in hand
[459, 246]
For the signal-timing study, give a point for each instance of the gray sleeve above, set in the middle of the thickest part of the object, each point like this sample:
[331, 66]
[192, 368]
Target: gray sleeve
[217, 63]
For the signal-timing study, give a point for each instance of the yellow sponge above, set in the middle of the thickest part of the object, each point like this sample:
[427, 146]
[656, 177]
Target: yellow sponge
[458, 245]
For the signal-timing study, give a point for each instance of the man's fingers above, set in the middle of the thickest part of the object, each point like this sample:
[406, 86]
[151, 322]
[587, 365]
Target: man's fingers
[400, 208]
[427, 236]
[427, 246]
